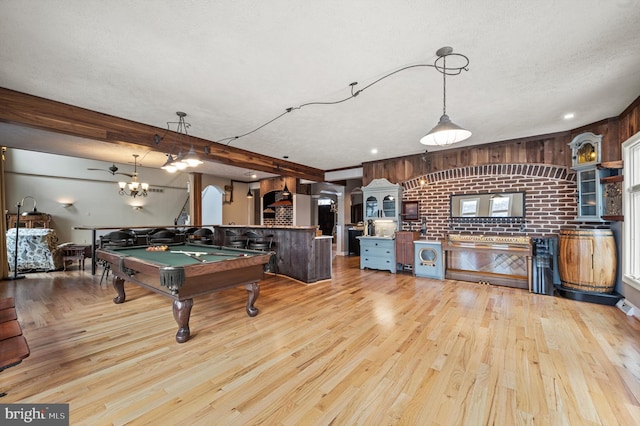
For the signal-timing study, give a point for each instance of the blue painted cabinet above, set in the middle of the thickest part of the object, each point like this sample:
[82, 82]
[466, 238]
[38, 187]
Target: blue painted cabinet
[378, 253]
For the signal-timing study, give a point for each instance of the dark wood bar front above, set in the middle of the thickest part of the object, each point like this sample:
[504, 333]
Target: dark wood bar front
[300, 254]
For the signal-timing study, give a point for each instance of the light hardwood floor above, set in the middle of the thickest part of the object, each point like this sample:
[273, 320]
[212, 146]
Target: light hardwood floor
[366, 347]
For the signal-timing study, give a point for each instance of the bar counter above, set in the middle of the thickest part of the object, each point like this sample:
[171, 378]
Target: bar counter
[299, 253]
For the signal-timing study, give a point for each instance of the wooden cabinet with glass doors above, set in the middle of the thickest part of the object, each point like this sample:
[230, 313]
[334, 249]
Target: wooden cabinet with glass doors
[382, 200]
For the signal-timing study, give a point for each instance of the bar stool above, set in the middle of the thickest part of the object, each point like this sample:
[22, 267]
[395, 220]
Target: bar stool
[202, 236]
[256, 241]
[234, 239]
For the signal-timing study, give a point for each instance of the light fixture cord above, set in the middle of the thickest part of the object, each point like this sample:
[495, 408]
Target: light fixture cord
[444, 70]
[444, 87]
[181, 126]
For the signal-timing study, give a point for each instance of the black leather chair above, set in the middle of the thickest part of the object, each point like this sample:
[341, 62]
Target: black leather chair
[162, 236]
[189, 231]
[202, 236]
[256, 241]
[121, 238]
[234, 239]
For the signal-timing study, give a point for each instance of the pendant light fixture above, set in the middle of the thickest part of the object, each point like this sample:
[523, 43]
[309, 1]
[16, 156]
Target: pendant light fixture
[445, 132]
[285, 191]
[181, 161]
[168, 165]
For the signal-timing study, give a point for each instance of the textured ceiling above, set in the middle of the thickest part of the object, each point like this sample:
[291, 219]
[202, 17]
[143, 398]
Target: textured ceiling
[235, 65]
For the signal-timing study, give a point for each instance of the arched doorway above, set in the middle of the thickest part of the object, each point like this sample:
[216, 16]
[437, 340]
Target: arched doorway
[212, 198]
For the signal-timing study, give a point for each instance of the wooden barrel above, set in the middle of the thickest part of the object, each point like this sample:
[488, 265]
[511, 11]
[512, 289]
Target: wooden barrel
[587, 260]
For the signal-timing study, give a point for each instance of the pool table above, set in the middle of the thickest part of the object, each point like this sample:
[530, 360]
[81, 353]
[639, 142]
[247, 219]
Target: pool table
[184, 271]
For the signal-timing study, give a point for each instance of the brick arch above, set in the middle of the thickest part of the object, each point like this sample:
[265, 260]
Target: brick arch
[549, 197]
[537, 170]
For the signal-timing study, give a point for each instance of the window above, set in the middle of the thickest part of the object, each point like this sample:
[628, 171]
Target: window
[500, 206]
[631, 202]
[469, 207]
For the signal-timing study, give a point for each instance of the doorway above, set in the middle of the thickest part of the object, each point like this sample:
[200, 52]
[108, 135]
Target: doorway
[212, 205]
[326, 219]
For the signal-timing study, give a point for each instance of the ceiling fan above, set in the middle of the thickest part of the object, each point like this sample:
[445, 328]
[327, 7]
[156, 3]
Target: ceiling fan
[113, 170]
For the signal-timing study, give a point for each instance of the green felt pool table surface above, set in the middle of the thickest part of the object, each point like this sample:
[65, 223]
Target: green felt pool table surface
[181, 254]
[185, 271]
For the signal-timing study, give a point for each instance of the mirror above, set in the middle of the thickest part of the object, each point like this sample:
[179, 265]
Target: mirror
[488, 207]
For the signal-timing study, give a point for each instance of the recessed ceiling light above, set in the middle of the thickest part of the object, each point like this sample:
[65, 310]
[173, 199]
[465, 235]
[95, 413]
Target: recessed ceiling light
[374, 151]
[569, 116]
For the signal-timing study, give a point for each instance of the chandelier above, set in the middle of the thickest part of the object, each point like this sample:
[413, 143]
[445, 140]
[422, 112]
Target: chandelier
[180, 161]
[134, 188]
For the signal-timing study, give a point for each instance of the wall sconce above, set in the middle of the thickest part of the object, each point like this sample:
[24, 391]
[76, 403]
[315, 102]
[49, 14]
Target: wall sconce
[137, 208]
[228, 194]
[66, 205]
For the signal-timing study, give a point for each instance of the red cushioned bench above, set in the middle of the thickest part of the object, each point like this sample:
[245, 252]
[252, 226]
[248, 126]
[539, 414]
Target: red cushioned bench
[13, 345]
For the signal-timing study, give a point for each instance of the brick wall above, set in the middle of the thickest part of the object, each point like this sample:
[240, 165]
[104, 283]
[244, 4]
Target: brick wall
[283, 215]
[550, 198]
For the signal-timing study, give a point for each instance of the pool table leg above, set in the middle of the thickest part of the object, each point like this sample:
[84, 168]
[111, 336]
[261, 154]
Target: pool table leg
[181, 313]
[254, 292]
[118, 284]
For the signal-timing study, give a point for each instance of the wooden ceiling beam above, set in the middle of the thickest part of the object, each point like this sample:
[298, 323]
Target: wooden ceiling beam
[44, 114]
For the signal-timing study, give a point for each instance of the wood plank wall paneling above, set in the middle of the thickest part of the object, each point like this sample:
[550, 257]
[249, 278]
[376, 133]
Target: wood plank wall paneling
[611, 143]
[277, 184]
[630, 121]
[535, 150]
[551, 149]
